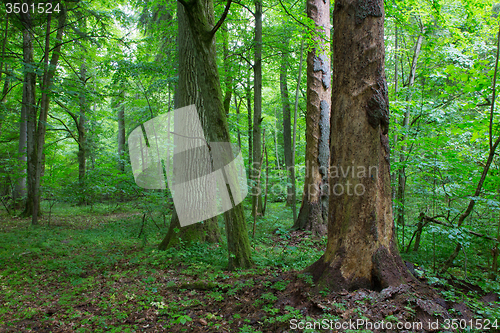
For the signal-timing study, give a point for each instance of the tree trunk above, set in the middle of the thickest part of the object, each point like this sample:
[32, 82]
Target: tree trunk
[396, 90]
[228, 80]
[287, 124]
[39, 142]
[188, 92]
[29, 106]
[313, 213]
[294, 136]
[213, 118]
[82, 131]
[28, 97]
[361, 250]
[237, 106]
[257, 112]
[6, 82]
[278, 166]
[20, 188]
[121, 132]
[250, 129]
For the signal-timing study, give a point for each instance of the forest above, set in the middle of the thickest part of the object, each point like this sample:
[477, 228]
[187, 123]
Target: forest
[249, 166]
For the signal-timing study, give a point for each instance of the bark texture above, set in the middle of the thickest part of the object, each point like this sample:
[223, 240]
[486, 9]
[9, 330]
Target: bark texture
[314, 210]
[361, 250]
[188, 92]
[213, 118]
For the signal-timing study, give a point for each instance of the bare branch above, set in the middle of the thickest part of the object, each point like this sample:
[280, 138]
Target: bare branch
[75, 119]
[244, 6]
[66, 127]
[222, 18]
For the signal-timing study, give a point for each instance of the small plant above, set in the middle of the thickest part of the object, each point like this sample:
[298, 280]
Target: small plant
[269, 297]
[324, 292]
[181, 319]
[280, 285]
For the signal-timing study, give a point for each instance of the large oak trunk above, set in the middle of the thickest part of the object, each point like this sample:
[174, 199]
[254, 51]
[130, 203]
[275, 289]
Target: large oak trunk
[213, 118]
[188, 92]
[361, 250]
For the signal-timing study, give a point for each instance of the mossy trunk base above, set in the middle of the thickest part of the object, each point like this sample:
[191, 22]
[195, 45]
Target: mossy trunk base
[387, 269]
[207, 231]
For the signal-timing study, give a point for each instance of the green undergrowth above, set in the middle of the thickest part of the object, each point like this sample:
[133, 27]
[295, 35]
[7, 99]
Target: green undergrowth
[98, 271]
[88, 264]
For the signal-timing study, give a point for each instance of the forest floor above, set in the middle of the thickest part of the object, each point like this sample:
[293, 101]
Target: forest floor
[88, 271]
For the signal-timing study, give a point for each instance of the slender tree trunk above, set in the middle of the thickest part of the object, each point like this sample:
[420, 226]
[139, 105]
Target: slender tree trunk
[6, 83]
[29, 106]
[201, 23]
[121, 132]
[20, 189]
[227, 70]
[257, 112]
[4, 44]
[287, 130]
[400, 196]
[237, 106]
[188, 93]
[314, 210]
[396, 90]
[82, 132]
[250, 127]
[361, 250]
[294, 136]
[278, 166]
[49, 71]
[19, 193]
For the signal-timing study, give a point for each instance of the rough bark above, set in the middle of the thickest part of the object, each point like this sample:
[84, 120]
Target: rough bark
[201, 23]
[361, 250]
[188, 92]
[314, 210]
